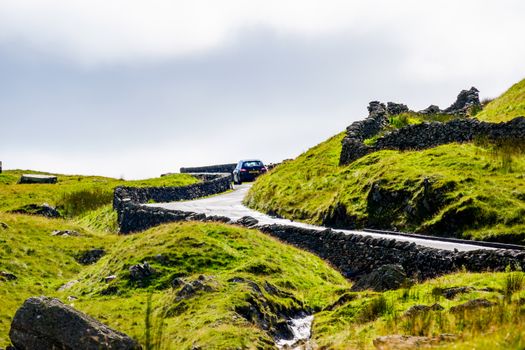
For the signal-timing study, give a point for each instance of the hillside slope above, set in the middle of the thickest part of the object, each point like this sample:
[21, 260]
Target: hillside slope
[509, 105]
[198, 285]
[473, 190]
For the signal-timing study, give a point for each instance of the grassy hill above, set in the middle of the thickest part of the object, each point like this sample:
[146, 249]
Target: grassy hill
[473, 191]
[509, 105]
[242, 284]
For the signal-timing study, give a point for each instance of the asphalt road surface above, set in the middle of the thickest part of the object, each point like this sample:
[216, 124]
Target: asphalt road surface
[230, 205]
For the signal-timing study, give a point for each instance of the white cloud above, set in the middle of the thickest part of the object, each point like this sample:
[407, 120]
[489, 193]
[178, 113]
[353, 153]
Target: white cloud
[435, 35]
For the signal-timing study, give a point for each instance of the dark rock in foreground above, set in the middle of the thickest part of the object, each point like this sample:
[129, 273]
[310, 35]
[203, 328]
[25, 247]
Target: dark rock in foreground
[45, 323]
[387, 277]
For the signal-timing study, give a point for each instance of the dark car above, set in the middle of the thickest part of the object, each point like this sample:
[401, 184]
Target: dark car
[248, 170]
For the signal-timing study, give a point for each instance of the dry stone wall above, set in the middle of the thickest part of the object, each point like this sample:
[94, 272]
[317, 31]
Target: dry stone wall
[353, 255]
[425, 135]
[128, 199]
[219, 168]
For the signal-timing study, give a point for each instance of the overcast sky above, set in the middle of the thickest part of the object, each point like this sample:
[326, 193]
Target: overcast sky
[138, 88]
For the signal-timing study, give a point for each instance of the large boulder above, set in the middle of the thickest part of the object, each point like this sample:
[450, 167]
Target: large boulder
[386, 277]
[45, 323]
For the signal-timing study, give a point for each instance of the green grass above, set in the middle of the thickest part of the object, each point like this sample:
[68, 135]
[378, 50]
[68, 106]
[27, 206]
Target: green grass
[73, 195]
[498, 327]
[151, 311]
[41, 262]
[472, 193]
[506, 107]
[209, 319]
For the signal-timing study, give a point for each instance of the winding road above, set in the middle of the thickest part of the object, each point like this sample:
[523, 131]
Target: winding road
[230, 205]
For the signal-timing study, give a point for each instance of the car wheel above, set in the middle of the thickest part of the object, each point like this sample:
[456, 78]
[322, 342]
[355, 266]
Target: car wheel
[235, 182]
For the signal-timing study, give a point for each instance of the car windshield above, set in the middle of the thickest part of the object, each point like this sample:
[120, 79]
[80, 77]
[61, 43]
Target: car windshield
[252, 164]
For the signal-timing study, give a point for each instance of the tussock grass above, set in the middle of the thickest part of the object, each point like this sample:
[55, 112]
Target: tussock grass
[502, 325]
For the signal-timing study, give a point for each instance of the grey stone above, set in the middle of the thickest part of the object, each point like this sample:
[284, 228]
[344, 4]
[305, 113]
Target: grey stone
[202, 284]
[386, 277]
[90, 256]
[37, 179]
[472, 305]
[432, 109]
[141, 272]
[466, 99]
[43, 323]
[35, 209]
[396, 108]
[247, 221]
[450, 293]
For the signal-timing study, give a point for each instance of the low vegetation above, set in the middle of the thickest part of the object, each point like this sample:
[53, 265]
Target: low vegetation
[73, 195]
[211, 285]
[506, 107]
[496, 322]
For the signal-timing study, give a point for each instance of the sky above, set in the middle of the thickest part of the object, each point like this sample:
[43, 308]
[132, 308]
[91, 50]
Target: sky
[134, 89]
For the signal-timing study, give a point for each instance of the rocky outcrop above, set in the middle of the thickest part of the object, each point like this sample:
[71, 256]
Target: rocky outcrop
[387, 277]
[90, 256]
[393, 108]
[44, 323]
[35, 209]
[472, 305]
[466, 100]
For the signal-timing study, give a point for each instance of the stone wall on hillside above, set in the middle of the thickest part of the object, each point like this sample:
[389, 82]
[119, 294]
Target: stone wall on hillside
[353, 255]
[424, 135]
[219, 168]
[428, 135]
[124, 197]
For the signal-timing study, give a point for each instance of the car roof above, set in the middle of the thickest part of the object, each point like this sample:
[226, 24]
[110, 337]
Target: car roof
[250, 160]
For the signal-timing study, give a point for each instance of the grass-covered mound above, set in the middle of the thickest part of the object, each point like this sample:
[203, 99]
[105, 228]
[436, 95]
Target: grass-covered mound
[40, 261]
[463, 190]
[506, 107]
[249, 279]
